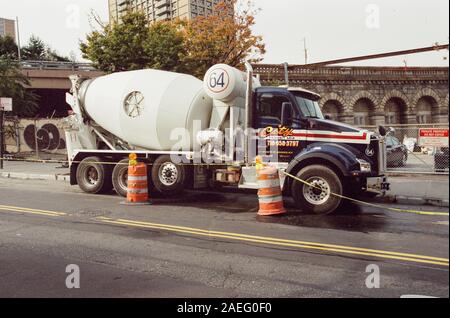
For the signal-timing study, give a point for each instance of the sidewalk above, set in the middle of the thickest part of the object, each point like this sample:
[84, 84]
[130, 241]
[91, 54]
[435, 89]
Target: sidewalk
[34, 171]
[414, 189]
[418, 189]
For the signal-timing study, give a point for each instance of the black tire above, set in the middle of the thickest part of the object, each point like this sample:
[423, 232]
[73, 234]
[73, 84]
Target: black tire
[314, 202]
[94, 177]
[168, 178]
[120, 177]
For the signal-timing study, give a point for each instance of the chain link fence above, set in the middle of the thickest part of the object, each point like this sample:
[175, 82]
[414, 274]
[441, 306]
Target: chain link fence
[420, 148]
[407, 152]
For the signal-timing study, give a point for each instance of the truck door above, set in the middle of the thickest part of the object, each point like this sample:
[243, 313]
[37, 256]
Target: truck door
[277, 117]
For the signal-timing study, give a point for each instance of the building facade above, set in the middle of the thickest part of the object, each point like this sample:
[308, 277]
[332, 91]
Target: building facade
[162, 10]
[369, 96]
[8, 27]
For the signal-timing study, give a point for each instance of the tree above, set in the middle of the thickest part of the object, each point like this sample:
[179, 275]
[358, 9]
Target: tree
[180, 46]
[37, 50]
[8, 47]
[133, 44]
[13, 84]
[222, 38]
[165, 47]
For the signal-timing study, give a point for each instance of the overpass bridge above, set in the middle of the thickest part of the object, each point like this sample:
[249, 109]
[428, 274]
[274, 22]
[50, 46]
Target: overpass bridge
[55, 75]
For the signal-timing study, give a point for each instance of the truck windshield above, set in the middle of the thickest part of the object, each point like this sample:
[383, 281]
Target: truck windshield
[309, 108]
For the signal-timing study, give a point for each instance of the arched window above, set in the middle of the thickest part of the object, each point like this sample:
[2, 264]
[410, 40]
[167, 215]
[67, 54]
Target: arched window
[362, 110]
[425, 107]
[332, 109]
[395, 111]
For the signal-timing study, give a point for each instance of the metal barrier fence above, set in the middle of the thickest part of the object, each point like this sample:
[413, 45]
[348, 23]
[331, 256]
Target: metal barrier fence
[406, 152]
[37, 138]
[49, 65]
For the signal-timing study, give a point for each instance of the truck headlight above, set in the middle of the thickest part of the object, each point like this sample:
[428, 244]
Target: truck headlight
[364, 166]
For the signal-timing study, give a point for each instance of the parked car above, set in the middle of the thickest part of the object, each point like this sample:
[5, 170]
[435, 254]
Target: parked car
[441, 159]
[397, 153]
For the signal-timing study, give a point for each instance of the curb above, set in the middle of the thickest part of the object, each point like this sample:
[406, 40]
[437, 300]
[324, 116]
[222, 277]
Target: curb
[27, 176]
[399, 199]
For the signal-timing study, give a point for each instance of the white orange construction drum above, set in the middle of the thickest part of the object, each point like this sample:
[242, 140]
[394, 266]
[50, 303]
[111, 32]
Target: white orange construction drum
[269, 194]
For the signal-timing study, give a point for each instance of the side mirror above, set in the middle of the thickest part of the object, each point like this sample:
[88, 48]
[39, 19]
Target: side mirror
[287, 114]
[327, 117]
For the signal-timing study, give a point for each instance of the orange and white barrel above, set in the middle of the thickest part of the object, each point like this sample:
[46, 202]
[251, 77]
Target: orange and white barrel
[269, 193]
[137, 192]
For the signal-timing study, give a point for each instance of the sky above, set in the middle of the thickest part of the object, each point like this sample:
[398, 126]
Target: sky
[332, 29]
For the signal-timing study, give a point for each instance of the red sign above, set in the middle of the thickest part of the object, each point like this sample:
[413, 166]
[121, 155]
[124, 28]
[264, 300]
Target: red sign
[433, 137]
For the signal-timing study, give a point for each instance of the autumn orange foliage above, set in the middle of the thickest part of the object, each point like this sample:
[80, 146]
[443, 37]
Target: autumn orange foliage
[226, 36]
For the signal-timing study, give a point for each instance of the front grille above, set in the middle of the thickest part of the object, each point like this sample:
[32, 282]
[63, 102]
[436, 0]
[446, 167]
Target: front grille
[382, 157]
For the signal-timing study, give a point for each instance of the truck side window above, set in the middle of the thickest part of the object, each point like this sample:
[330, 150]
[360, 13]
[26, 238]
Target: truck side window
[270, 106]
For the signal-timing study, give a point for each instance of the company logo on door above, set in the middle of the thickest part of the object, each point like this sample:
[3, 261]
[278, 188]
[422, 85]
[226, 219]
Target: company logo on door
[281, 131]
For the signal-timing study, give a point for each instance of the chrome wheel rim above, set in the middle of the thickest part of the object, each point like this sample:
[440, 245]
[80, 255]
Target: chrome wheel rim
[91, 175]
[168, 174]
[317, 191]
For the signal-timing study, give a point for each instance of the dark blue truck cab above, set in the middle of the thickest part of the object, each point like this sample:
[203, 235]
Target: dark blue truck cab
[331, 158]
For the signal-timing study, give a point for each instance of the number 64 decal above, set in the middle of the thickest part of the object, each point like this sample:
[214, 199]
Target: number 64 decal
[218, 80]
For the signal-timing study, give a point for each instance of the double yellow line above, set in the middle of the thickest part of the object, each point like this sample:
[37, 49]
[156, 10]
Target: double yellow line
[330, 248]
[8, 208]
[339, 249]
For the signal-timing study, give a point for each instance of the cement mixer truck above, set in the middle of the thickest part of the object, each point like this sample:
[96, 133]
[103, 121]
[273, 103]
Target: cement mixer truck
[197, 134]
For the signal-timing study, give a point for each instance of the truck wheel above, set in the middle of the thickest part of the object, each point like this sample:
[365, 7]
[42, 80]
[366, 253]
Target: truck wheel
[167, 177]
[317, 198]
[94, 177]
[120, 178]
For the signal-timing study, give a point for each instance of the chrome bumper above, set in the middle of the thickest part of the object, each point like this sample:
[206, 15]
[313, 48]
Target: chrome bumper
[378, 185]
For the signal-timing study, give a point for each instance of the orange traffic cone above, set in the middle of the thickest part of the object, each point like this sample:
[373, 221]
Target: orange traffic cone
[269, 194]
[137, 193]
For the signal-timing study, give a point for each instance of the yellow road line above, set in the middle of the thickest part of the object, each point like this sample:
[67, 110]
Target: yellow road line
[31, 211]
[283, 240]
[251, 238]
[285, 243]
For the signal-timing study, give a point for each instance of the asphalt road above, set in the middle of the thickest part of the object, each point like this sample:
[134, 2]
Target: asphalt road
[210, 244]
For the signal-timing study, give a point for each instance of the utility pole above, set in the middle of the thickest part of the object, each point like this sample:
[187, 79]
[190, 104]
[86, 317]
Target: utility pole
[19, 54]
[305, 50]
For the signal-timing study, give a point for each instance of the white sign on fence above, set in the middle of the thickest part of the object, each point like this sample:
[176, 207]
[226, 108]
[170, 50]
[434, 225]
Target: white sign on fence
[433, 137]
[6, 104]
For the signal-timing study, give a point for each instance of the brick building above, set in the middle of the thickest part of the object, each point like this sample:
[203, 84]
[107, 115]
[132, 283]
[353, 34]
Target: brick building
[7, 27]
